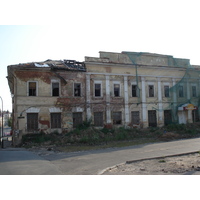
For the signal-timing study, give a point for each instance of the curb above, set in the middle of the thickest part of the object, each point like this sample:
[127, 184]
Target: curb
[152, 158]
[173, 155]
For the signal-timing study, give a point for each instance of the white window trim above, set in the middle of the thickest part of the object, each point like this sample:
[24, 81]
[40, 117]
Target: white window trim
[27, 88]
[55, 81]
[81, 89]
[97, 82]
[119, 83]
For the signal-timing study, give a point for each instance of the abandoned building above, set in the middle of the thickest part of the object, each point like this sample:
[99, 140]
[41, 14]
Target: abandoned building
[116, 89]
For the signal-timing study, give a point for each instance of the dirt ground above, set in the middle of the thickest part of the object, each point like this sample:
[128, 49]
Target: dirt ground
[177, 165]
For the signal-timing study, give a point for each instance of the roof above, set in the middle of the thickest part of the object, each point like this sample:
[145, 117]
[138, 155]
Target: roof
[69, 65]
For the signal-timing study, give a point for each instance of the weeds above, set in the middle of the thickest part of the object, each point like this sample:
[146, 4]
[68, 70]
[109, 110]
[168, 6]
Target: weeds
[85, 134]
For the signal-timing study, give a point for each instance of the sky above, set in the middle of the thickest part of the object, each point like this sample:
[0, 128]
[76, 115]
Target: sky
[33, 31]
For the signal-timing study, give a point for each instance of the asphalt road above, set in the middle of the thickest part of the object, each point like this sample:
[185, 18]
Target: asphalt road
[21, 161]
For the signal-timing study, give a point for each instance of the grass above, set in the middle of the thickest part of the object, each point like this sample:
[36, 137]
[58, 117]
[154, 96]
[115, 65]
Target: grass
[86, 137]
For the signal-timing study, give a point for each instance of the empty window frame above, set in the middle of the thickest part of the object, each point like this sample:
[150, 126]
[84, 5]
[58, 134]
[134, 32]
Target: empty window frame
[55, 89]
[77, 119]
[98, 118]
[32, 88]
[135, 117]
[151, 90]
[134, 91]
[97, 89]
[77, 89]
[166, 91]
[32, 122]
[116, 90]
[117, 118]
[55, 120]
[180, 91]
[194, 91]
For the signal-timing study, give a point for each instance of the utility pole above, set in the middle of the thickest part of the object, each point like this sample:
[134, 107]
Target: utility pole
[2, 123]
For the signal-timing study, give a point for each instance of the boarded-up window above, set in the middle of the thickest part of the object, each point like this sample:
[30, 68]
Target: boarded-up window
[117, 117]
[98, 118]
[151, 91]
[167, 117]
[77, 119]
[55, 89]
[135, 117]
[77, 89]
[116, 90]
[152, 118]
[97, 89]
[32, 89]
[195, 115]
[32, 122]
[55, 120]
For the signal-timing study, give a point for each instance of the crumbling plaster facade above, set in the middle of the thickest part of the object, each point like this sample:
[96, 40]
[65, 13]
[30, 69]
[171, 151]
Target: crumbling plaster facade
[105, 91]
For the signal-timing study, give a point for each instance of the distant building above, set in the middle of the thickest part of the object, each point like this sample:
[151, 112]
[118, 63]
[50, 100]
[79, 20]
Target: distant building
[6, 117]
[117, 89]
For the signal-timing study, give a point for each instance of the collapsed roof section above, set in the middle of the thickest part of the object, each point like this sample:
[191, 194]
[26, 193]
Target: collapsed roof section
[69, 65]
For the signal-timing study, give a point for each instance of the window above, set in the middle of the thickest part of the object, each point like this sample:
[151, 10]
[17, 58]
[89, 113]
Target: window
[98, 118]
[77, 119]
[55, 120]
[116, 90]
[32, 89]
[194, 91]
[32, 121]
[166, 91]
[152, 118]
[181, 91]
[167, 117]
[135, 117]
[77, 89]
[97, 89]
[55, 89]
[117, 117]
[151, 91]
[134, 91]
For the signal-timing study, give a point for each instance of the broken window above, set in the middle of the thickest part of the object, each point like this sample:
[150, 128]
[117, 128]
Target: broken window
[117, 117]
[77, 119]
[98, 118]
[151, 91]
[180, 92]
[135, 117]
[194, 91]
[116, 90]
[166, 91]
[77, 89]
[55, 89]
[32, 122]
[97, 90]
[55, 120]
[32, 88]
[134, 91]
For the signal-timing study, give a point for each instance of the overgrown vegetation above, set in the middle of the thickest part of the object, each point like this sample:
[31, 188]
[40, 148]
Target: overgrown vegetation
[87, 135]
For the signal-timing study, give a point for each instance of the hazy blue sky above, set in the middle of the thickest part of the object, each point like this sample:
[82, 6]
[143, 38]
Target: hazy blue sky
[73, 29]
